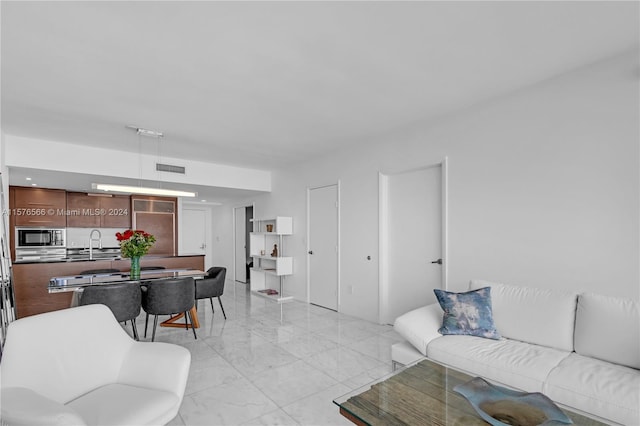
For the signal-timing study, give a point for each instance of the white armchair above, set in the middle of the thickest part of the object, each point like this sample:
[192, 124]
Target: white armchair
[78, 366]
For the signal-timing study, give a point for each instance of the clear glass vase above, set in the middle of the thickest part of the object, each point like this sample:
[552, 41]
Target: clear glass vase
[135, 268]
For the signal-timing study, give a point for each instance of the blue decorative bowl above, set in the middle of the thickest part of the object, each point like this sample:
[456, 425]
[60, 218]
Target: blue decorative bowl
[503, 407]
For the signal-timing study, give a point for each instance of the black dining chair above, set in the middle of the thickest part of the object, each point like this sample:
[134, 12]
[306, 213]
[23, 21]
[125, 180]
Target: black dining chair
[212, 285]
[167, 297]
[124, 300]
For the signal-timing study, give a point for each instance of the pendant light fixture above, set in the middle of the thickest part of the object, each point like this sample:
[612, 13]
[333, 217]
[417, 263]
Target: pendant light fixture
[131, 189]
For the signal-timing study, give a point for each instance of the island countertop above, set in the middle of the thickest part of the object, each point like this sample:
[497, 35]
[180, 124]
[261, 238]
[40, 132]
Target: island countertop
[73, 282]
[95, 259]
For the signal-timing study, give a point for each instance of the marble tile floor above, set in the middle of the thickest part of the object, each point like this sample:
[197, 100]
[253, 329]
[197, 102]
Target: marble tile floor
[271, 364]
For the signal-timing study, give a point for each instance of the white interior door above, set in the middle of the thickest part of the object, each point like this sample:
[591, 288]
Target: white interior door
[323, 246]
[195, 233]
[413, 240]
[240, 245]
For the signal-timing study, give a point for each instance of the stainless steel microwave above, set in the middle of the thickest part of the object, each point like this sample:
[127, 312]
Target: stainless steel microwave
[40, 237]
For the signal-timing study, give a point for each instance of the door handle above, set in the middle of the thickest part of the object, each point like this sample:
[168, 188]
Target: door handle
[310, 251]
[439, 261]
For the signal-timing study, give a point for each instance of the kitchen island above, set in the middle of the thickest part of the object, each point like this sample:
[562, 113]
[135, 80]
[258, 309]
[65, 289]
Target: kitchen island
[31, 280]
[76, 283]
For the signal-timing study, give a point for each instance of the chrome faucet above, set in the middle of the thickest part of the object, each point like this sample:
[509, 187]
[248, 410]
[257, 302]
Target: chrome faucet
[91, 240]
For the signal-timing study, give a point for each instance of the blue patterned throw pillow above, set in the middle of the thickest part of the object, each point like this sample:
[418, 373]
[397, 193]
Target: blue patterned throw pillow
[467, 313]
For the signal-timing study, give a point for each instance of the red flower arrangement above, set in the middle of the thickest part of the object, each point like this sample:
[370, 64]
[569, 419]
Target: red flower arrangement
[135, 243]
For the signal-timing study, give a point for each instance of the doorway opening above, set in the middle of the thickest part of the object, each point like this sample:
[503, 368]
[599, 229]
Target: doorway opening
[243, 226]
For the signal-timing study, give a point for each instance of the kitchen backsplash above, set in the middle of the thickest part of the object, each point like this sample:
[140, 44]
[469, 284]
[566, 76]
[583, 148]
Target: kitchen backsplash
[79, 237]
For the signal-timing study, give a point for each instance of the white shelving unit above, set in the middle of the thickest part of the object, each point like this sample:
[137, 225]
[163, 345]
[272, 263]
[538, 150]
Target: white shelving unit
[269, 272]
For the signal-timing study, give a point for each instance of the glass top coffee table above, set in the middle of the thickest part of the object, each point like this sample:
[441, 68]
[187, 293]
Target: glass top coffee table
[421, 394]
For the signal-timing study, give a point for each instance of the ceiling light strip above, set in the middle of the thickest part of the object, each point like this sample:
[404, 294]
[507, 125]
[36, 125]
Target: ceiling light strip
[143, 190]
[146, 132]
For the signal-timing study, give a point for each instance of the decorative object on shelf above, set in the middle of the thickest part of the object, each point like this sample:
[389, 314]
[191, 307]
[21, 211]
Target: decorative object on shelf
[269, 228]
[502, 406]
[274, 253]
[135, 244]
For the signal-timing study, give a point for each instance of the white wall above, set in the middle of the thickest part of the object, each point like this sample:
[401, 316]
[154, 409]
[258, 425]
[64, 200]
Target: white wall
[38, 154]
[543, 189]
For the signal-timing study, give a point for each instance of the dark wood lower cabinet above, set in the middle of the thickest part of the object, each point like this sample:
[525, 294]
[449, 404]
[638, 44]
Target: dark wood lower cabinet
[31, 280]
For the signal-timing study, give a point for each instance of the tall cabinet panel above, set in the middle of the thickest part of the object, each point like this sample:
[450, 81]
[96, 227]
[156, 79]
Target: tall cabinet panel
[157, 216]
[270, 265]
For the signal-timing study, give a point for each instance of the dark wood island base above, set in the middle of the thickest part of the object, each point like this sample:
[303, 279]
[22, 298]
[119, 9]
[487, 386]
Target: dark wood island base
[31, 280]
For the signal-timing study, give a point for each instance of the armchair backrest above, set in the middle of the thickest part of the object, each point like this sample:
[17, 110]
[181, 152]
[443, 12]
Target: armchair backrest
[218, 272]
[213, 283]
[64, 354]
[122, 298]
[169, 296]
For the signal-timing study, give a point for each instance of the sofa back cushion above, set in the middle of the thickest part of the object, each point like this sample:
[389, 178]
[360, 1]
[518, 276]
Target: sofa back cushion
[542, 317]
[608, 328]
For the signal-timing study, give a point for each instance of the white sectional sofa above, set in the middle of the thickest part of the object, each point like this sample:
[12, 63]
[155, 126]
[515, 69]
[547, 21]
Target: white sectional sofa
[580, 349]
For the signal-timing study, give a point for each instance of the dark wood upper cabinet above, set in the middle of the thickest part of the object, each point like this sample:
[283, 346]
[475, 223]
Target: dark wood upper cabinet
[98, 211]
[80, 208]
[39, 207]
[118, 211]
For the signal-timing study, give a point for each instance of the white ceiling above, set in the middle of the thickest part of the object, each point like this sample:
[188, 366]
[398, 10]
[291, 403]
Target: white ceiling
[264, 84]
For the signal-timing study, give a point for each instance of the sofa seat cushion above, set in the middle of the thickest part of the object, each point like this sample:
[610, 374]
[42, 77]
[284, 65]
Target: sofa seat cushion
[509, 362]
[607, 390]
[118, 404]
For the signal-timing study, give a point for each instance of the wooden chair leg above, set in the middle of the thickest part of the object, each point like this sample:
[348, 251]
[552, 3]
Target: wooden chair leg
[222, 307]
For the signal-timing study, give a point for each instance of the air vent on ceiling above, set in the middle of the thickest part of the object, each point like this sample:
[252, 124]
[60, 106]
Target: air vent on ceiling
[169, 168]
